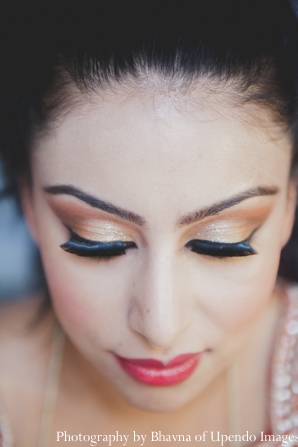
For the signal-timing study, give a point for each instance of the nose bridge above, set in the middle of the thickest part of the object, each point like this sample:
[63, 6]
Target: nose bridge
[155, 310]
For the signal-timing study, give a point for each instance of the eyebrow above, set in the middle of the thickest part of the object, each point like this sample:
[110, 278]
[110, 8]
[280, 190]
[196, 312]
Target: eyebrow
[96, 203]
[216, 208]
[140, 221]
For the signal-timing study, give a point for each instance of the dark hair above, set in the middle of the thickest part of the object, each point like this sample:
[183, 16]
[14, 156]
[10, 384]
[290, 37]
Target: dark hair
[48, 47]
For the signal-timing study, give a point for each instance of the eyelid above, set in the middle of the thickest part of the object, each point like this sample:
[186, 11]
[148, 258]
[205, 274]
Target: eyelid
[234, 224]
[91, 242]
[225, 230]
[97, 230]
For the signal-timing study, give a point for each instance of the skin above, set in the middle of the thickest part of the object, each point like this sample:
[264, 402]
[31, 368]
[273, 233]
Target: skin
[163, 157]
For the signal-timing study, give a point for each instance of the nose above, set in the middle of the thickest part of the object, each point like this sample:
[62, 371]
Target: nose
[157, 309]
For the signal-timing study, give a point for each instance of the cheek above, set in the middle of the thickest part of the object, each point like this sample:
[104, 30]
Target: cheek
[67, 294]
[234, 295]
[88, 301]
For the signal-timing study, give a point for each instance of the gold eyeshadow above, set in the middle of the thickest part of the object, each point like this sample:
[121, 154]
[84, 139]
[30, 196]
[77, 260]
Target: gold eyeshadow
[233, 225]
[89, 223]
[225, 231]
[98, 231]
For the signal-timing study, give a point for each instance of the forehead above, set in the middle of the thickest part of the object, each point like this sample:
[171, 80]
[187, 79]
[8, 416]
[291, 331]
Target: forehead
[180, 150]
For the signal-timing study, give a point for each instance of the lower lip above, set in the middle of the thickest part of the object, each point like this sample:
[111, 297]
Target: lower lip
[154, 373]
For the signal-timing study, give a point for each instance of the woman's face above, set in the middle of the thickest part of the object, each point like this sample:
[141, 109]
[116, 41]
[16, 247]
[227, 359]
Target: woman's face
[173, 211]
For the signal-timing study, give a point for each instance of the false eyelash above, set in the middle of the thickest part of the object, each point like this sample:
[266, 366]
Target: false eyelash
[80, 246]
[221, 250]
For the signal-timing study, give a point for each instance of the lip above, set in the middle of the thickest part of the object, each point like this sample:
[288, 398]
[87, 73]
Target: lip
[153, 372]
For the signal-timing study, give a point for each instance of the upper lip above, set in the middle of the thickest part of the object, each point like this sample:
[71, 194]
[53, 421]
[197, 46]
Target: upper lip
[157, 364]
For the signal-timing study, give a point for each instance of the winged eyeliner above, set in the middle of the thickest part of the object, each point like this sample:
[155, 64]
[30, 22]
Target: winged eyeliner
[84, 247]
[221, 250]
[87, 248]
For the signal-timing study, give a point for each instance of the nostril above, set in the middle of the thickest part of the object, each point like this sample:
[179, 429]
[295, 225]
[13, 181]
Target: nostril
[159, 334]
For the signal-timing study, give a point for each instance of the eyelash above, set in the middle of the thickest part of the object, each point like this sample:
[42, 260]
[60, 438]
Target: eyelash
[80, 246]
[84, 247]
[222, 250]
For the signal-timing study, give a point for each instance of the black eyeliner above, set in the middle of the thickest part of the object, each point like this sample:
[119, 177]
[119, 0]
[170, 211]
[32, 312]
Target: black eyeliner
[84, 247]
[220, 249]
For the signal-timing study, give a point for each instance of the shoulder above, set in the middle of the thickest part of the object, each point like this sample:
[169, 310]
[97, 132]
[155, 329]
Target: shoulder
[25, 343]
[23, 329]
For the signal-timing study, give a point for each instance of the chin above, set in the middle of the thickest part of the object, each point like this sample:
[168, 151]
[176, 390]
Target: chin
[157, 399]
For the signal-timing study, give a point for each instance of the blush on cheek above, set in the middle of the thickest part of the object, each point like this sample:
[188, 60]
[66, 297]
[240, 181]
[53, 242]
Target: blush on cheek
[241, 302]
[78, 294]
[67, 300]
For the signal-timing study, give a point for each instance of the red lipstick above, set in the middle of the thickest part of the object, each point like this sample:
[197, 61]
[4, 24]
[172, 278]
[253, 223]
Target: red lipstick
[155, 373]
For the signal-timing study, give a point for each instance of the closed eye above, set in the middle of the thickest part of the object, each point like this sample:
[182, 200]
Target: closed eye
[221, 250]
[80, 246]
